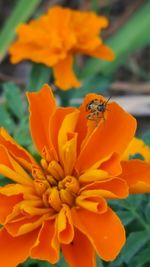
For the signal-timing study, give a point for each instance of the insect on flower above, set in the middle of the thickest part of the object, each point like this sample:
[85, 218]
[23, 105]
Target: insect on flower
[97, 109]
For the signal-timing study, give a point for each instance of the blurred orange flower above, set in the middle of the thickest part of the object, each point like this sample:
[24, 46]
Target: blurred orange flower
[54, 38]
[61, 202]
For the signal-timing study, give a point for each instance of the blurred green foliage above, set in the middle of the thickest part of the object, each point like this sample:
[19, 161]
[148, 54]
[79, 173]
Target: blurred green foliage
[22, 11]
[132, 36]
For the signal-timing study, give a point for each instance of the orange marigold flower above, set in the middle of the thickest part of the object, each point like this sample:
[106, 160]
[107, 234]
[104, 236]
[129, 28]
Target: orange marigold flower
[61, 202]
[55, 37]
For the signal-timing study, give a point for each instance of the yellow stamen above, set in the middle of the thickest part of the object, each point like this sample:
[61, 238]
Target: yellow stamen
[41, 186]
[37, 173]
[66, 197]
[54, 199]
[51, 180]
[44, 164]
[71, 183]
[55, 170]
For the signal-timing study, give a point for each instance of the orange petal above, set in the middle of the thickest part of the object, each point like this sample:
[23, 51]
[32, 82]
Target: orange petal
[42, 105]
[109, 188]
[7, 204]
[137, 175]
[11, 169]
[137, 146]
[13, 251]
[92, 175]
[65, 225]
[112, 165]
[15, 189]
[47, 246]
[25, 225]
[67, 142]
[102, 52]
[79, 252]
[16, 150]
[55, 124]
[91, 202]
[64, 75]
[111, 136]
[105, 231]
[85, 127]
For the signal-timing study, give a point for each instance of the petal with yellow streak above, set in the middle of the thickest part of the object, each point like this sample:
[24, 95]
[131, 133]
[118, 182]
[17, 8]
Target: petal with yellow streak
[92, 202]
[18, 152]
[67, 141]
[75, 255]
[26, 225]
[92, 175]
[109, 188]
[137, 146]
[11, 169]
[111, 136]
[65, 225]
[7, 204]
[85, 127]
[105, 231]
[15, 189]
[137, 175]
[69, 153]
[56, 122]
[47, 245]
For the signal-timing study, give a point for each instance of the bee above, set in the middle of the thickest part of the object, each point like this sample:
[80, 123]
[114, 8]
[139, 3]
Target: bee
[97, 109]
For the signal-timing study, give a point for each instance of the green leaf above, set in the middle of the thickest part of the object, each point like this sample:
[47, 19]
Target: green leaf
[147, 212]
[5, 119]
[142, 258]
[125, 216]
[40, 74]
[99, 263]
[131, 37]
[135, 241]
[22, 133]
[14, 101]
[21, 12]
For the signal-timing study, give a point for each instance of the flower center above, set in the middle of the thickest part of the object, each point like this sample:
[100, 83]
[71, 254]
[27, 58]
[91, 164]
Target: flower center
[53, 186]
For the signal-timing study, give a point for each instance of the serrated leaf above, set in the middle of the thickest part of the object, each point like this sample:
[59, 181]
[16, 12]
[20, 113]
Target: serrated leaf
[125, 216]
[5, 119]
[14, 101]
[40, 74]
[22, 133]
[147, 212]
[142, 258]
[134, 201]
[135, 241]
